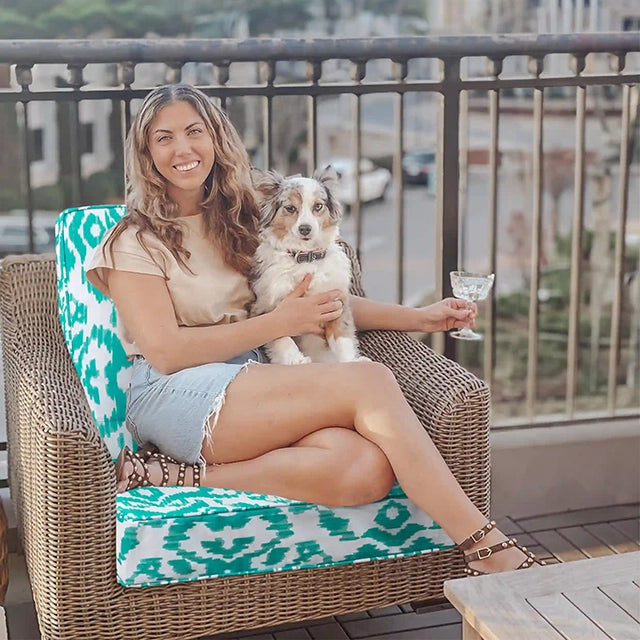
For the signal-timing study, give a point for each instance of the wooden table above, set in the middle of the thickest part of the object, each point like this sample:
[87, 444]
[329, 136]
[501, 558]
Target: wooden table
[595, 599]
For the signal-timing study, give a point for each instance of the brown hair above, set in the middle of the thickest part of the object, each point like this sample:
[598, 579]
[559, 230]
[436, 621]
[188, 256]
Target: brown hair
[229, 208]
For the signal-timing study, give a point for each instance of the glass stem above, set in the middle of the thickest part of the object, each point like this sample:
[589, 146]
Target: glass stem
[468, 323]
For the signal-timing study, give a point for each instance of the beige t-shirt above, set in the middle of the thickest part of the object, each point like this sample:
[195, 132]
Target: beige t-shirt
[212, 293]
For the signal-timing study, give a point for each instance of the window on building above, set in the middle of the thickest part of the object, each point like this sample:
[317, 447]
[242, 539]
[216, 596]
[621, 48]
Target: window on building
[631, 23]
[35, 140]
[86, 133]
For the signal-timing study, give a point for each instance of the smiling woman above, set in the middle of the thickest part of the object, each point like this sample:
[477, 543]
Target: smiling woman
[182, 152]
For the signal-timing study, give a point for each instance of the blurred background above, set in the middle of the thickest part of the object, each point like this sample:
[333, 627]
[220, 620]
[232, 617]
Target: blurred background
[49, 139]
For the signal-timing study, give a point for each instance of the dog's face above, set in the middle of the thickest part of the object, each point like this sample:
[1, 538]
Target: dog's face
[298, 214]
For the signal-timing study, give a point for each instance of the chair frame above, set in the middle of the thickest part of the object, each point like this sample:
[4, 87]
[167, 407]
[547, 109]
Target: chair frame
[63, 486]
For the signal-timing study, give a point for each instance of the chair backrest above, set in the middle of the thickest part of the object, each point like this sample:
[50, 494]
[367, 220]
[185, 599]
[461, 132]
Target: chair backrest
[89, 321]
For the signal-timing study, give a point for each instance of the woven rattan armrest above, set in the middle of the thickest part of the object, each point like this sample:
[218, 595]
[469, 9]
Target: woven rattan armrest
[62, 479]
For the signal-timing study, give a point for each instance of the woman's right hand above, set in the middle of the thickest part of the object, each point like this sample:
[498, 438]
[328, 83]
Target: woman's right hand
[301, 314]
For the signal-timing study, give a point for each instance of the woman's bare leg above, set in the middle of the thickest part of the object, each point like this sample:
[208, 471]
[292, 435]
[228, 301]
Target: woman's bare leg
[332, 466]
[274, 406]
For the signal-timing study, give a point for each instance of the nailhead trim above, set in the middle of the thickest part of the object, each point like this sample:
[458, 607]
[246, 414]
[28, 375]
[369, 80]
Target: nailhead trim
[476, 555]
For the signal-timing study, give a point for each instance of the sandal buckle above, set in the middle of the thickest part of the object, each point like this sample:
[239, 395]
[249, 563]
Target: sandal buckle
[483, 553]
[480, 533]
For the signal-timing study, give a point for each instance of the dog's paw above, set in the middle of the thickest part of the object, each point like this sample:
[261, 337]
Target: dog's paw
[363, 359]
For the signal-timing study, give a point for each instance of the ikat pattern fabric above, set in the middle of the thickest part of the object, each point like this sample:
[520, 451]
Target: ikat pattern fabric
[167, 535]
[89, 321]
[179, 535]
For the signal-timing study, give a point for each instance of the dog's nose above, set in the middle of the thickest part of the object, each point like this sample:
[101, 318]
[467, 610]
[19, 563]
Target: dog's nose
[304, 229]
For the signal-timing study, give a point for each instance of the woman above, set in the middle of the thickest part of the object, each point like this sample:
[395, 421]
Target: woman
[176, 267]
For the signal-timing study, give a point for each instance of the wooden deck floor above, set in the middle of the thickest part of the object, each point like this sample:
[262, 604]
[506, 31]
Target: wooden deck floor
[561, 537]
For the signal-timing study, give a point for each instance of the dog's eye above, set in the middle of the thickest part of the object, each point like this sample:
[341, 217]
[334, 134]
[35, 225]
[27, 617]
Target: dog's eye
[318, 206]
[289, 208]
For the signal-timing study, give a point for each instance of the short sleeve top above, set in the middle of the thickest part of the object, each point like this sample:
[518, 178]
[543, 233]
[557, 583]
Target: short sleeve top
[209, 292]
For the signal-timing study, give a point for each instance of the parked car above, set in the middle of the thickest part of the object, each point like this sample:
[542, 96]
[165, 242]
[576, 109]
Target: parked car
[14, 236]
[374, 180]
[419, 166]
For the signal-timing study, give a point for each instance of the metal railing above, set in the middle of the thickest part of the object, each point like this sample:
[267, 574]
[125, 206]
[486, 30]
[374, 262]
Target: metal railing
[210, 65]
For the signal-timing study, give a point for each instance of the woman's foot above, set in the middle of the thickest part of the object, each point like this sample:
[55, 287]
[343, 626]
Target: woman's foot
[150, 468]
[488, 550]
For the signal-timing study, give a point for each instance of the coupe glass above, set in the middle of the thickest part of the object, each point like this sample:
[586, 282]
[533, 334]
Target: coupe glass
[470, 287]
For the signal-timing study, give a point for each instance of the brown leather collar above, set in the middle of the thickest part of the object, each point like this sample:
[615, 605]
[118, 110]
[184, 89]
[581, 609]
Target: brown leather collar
[307, 256]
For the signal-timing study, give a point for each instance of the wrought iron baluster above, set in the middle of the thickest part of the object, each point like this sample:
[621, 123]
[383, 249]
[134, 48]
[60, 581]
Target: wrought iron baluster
[536, 66]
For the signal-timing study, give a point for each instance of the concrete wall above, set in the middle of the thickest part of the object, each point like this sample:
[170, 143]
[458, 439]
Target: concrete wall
[541, 470]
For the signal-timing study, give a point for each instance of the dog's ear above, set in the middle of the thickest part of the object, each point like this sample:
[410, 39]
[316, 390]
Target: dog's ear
[266, 183]
[328, 178]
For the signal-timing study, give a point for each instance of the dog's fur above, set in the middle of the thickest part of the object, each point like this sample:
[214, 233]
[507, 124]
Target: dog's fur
[290, 207]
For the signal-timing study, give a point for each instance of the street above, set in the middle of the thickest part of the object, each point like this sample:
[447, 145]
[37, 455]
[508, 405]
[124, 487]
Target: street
[378, 252]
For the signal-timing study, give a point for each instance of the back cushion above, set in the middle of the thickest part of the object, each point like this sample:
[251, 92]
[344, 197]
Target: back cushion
[89, 321]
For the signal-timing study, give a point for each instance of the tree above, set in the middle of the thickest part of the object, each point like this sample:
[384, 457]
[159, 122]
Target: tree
[558, 177]
[137, 18]
[75, 18]
[264, 16]
[519, 233]
[599, 281]
[17, 25]
[406, 8]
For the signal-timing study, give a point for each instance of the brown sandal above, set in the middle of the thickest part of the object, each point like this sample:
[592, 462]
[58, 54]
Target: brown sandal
[137, 461]
[146, 450]
[484, 552]
[182, 467]
[140, 460]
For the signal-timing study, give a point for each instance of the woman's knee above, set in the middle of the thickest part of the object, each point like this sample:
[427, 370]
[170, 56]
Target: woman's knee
[368, 477]
[374, 376]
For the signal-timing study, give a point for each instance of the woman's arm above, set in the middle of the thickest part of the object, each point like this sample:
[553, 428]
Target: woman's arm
[144, 306]
[444, 315]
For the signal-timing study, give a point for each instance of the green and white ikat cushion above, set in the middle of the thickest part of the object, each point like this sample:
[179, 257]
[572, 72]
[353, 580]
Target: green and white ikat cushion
[178, 535]
[89, 321]
[167, 535]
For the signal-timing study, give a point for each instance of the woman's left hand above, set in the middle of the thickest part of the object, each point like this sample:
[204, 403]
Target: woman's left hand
[450, 313]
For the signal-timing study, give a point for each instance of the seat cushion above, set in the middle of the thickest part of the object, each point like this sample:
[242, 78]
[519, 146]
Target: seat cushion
[179, 535]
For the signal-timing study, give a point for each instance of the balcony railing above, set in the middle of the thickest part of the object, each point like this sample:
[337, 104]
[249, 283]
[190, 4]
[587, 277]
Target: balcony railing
[380, 97]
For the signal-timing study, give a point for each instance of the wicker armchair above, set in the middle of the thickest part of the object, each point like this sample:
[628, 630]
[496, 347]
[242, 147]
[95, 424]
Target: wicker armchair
[63, 484]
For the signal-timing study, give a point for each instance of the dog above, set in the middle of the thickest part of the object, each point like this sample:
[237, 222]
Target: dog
[298, 235]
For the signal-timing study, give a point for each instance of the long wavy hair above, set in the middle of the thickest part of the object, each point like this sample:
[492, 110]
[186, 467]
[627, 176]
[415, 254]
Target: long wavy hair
[228, 207]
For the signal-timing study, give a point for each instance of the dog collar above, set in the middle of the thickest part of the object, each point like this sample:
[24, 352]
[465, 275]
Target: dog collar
[308, 256]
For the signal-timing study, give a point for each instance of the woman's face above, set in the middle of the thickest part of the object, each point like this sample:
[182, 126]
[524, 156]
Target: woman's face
[182, 151]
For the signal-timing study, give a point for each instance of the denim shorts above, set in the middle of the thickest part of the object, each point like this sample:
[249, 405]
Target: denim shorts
[176, 412]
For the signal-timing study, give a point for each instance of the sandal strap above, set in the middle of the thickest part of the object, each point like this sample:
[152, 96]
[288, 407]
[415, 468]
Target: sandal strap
[146, 450]
[484, 552]
[163, 467]
[196, 475]
[476, 536]
[140, 475]
[135, 479]
[182, 468]
[530, 561]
